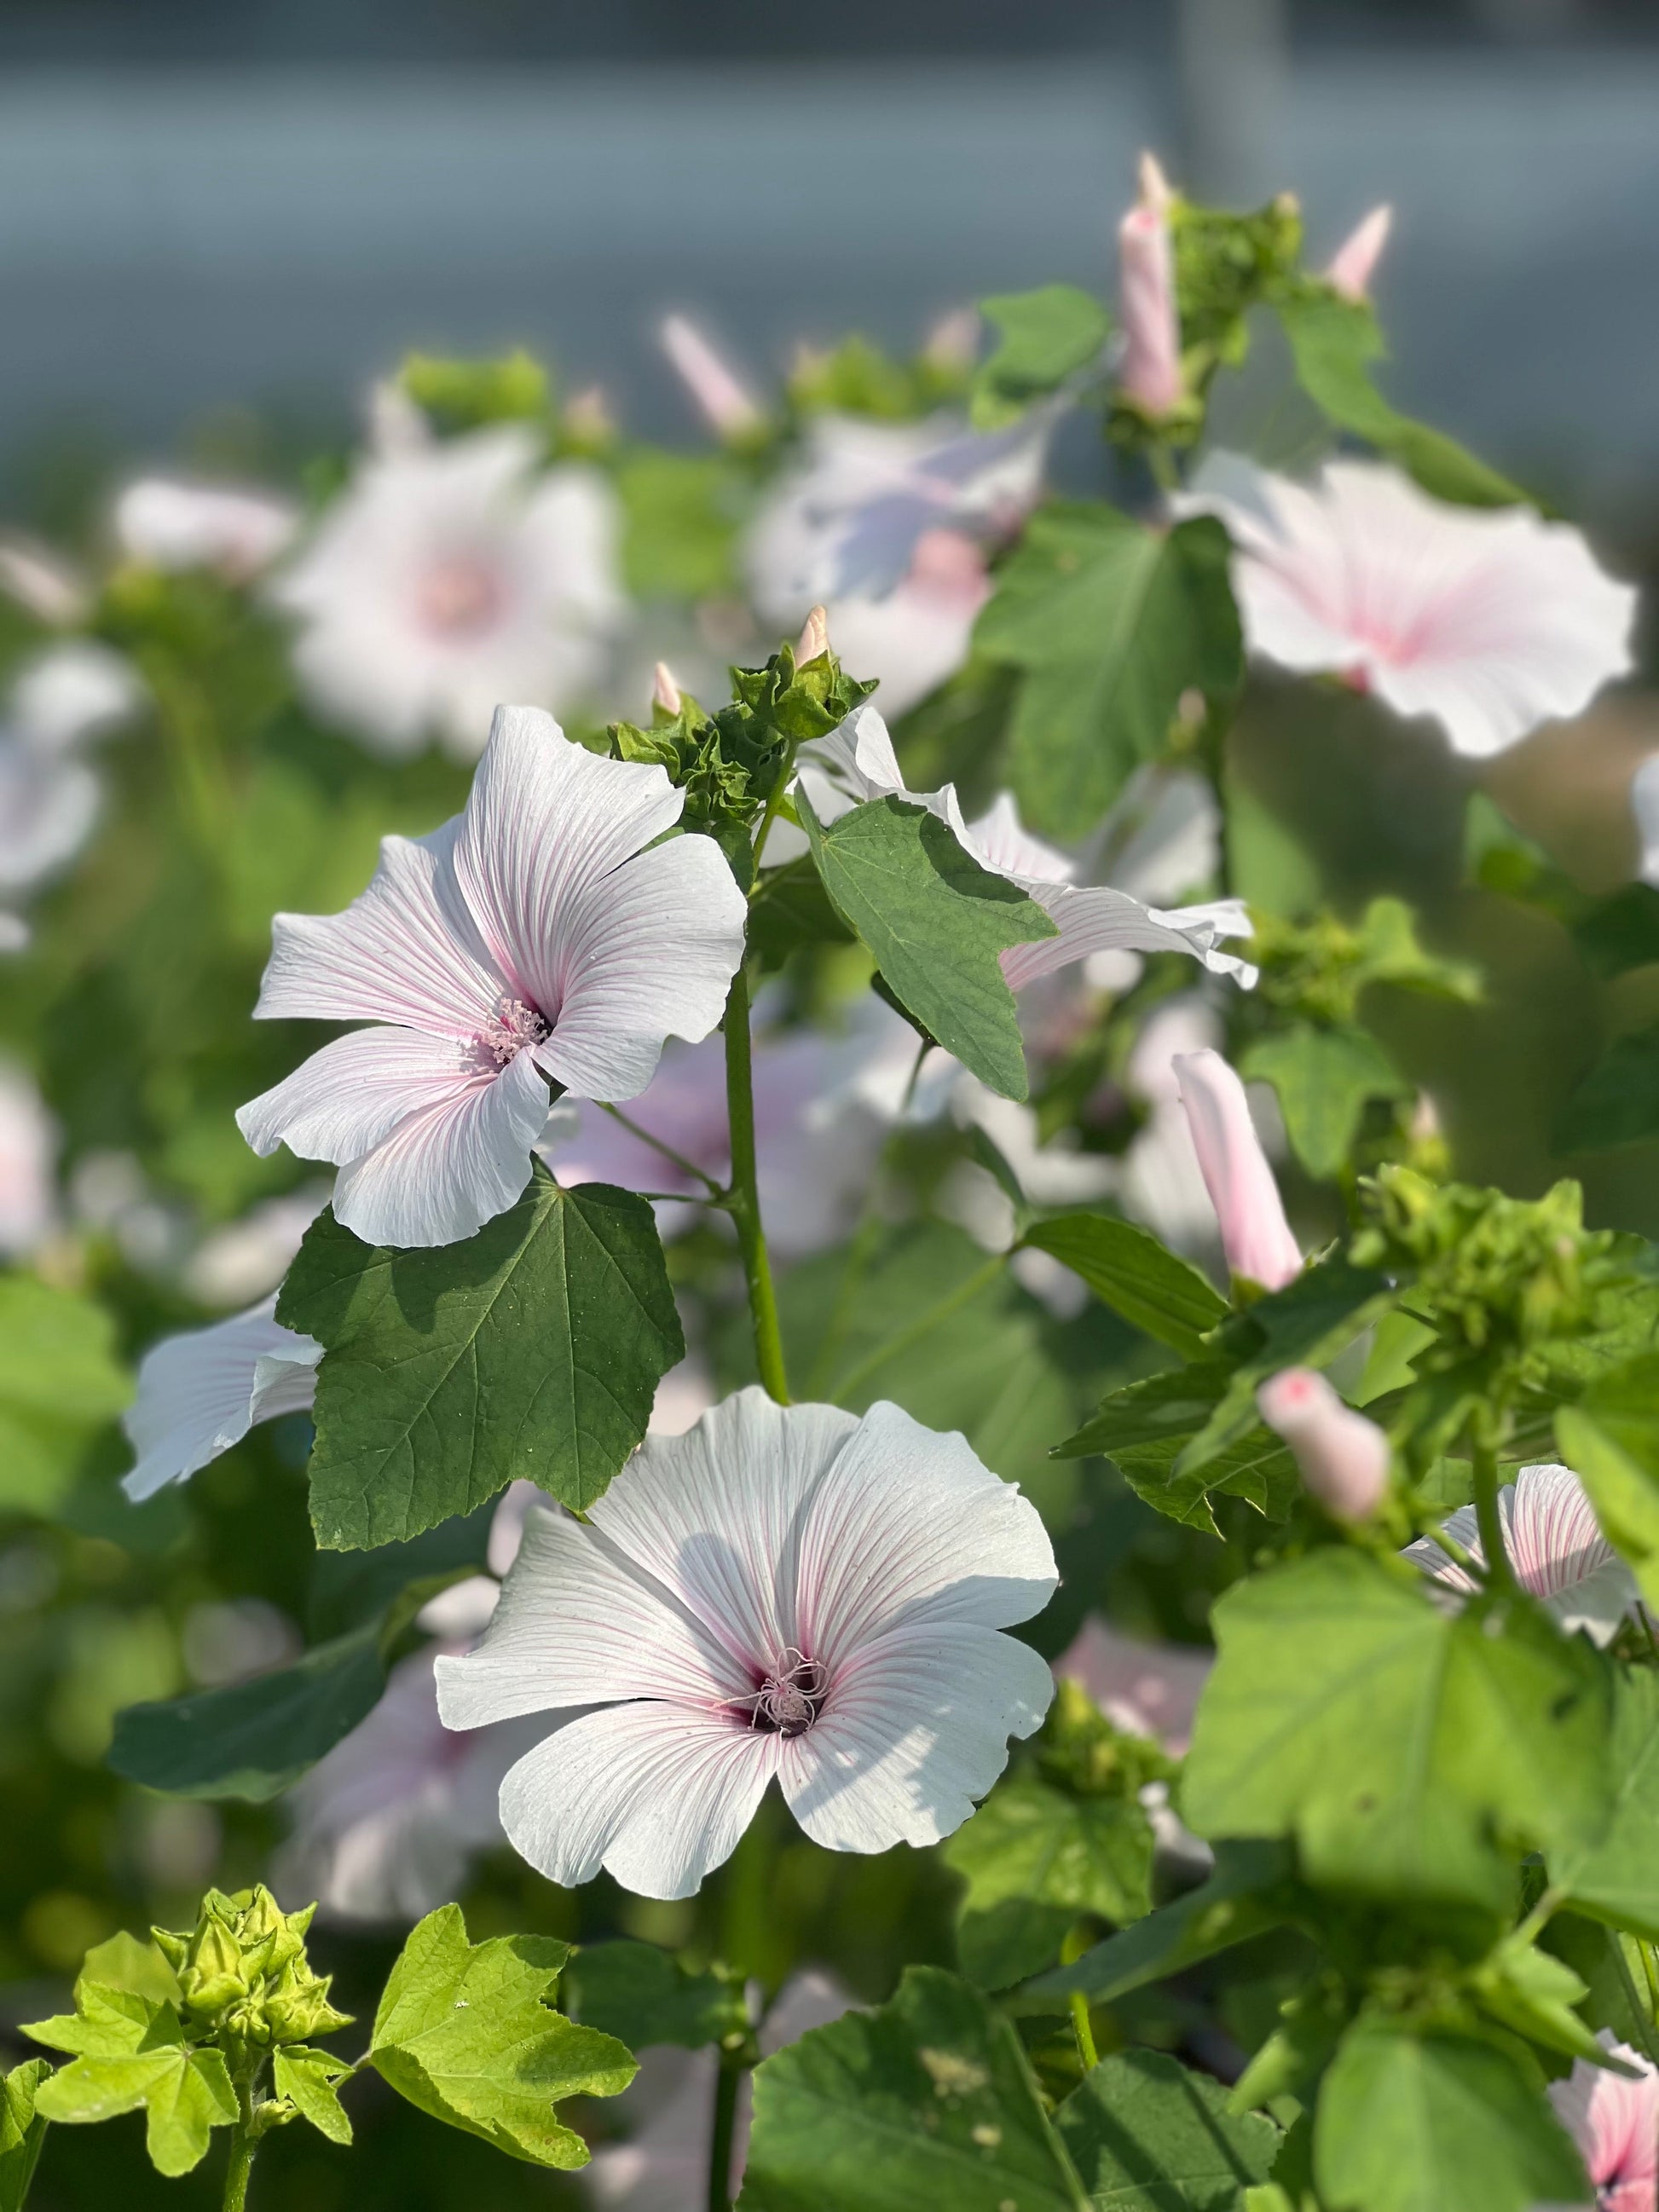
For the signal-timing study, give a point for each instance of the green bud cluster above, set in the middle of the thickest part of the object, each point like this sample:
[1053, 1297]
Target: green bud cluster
[857, 378]
[466, 395]
[1225, 264]
[1315, 970]
[1079, 1751]
[243, 1974]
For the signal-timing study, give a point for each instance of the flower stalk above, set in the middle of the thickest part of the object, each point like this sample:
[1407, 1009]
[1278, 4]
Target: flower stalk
[1500, 1574]
[744, 1196]
[723, 2133]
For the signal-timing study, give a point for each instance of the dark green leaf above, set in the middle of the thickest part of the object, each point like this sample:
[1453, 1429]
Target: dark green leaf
[1615, 1877]
[1146, 1429]
[642, 1995]
[1127, 1269]
[1620, 932]
[1618, 1102]
[532, 1349]
[1147, 2136]
[60, 1382]
[1610, 1439]
[1394, 1740]
[22, 2130]
[792, 909]
[926, 2101]
[1410, 2123]
[1042, 337]
[1113, 622]
[1323, 1078]
[1035, 1859]
[465, 2033]
[935, 923]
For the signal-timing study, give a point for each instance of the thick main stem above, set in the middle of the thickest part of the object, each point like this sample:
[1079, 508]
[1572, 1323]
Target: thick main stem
[1500, 1574]
[243, 2144]
[721, 2137]
[745, 1195]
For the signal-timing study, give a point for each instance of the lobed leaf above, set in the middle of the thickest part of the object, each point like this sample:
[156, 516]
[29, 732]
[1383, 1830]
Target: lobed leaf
[22, 2130]
[60, 1382]
[1323, 1079]
[642, 1995]
[1146, 2135]
[306, 2077]
[1127, 1269]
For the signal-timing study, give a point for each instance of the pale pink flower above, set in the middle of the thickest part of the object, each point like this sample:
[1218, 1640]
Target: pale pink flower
[533, 937]
[1644, 806]
[49, 794]
[245, 1259]
[1354, 263]
[43, 583]
[1160, 1181]
[201, 1391]
[784, 1592]
[1148, 1688]
[73, 691]
[1148, 373]
[449, 576]
[665, 691]
[1489, 623]
[1255, 1234]
[725, 401]
[1555, 1545]
[28, 1153]
[169, 523]
[1614, 2121]
[664, 2167]
[1344, 1458]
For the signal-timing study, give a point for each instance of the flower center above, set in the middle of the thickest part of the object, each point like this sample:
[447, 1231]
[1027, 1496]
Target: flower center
[790, 1698]
[458, 597]
[515, 1025]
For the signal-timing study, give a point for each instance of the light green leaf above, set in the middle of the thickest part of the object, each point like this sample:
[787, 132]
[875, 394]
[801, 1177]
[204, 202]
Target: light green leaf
[1323, 1078]
[1535, 1994]
[1147, 2136]
[1127, 1269]
[306, 2078]
[935, 923]
[1035, 1859]
[642, 1995]
[125, 1961]
[1615, 1877]
[1334, 343]
[1113, 621]
[1409, 2124]
[681, 513]
[1146, 1429]
[1042, 337]
[185, 2095]
[109, 2023]
[1618, 1102]
[1610, 1439]
[532, 1349]
[22, 2130]
[1394, 1740]
[60, 1382]
[464, 2032]
[926, 2101]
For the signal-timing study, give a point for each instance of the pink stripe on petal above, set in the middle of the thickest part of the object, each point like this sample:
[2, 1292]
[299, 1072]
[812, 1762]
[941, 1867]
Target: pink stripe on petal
[352, 1094]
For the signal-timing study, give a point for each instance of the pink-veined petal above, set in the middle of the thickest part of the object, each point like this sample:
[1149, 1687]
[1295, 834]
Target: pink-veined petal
[914, 1731]
[350, 1095]
[201, 1391]
[1094, 918]
[658, 1794]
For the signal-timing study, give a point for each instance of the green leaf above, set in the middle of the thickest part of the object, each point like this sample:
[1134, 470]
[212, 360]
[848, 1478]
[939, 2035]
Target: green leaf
[532, 1349]
[1035, 1859]
[1042, 337]
[792, 910]
[681, 522]
[1250, 1893]
[1323, 1078]
[1618, 1102]
[1394, 1740]
[1409, 2124]
[22, 2130]
[1113, 621]
[185, 2095]
[60, 1382]
[1620, 932]
[935, 923]
[306, 2078]
[109, 2023]
[123, 1961]
[1535, 1994]
[1610, 1439]
[464, 2032]
[1147, 2136]
[642, 1995]
[1146, 1430]
[927, 2101]
[1615, 1877]
[1334, 343]
[1127, 1269]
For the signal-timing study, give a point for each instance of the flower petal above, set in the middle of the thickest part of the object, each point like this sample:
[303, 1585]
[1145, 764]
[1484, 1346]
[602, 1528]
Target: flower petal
[1093, 918]
[457, 1160]
[915, 1730]
[405, 951]
[657, 1793]
[903, 1529]
[200, 1392]
[350, 1095]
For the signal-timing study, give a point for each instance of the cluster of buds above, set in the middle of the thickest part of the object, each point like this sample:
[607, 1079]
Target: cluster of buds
[243, 1974]
[1081, 1752]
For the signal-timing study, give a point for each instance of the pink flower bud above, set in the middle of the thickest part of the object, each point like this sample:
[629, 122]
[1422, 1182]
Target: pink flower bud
[1150, 373]
[1344, 1458]
[1355, 261]
[814, 637]
[730, 407]
[952, 346]
[665, 692]
[1255, 1234]
[47, 587]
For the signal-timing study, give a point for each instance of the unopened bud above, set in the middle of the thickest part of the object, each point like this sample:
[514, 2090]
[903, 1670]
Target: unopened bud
[814, 637]
[1156, 190]
[952, 345]
[665, 692]
[42, 585]
[1344, 1458]
[1354, 263]
[1255, 1234]
[1150, 372]
[729, 407]
[587, 417]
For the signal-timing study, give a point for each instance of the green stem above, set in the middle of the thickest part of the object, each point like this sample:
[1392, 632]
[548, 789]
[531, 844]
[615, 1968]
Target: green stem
[721, 2137]
[774, 800]
[745, 1195]
[190, 739]
[678, 1159]
[921, 1327]
[243, 2143]
[1500, 1574]
[1076, 1943]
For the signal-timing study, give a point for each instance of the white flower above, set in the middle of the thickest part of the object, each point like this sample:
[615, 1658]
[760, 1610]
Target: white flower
[247, 1258]
[531, 937]
[1644, 804]
[1555, 1545]
[784, 1591]
[448, 577]
[172, 524]
[28, 1149]
[71, 691]
[41, 581]
[49, 796]
[1490, 622]
[201, 1391]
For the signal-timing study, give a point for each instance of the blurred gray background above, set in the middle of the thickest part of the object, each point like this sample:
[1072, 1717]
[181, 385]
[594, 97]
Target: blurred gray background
[205, 203]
